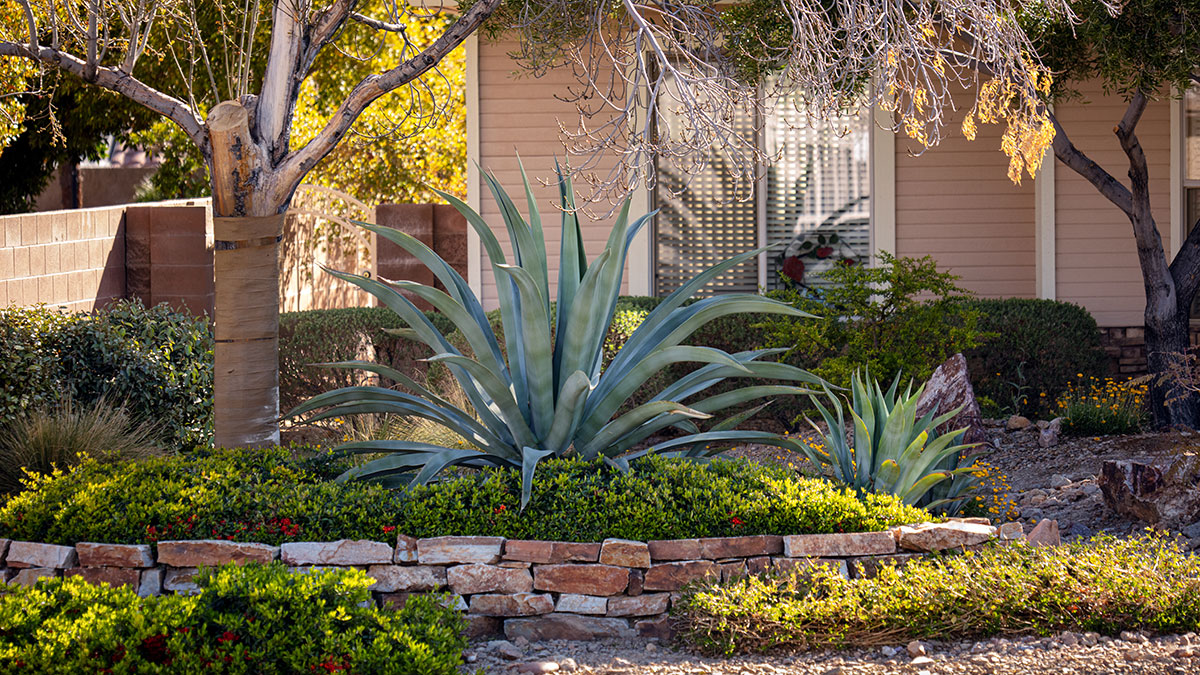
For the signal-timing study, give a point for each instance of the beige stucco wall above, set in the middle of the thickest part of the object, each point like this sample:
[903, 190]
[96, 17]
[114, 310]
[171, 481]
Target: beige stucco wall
[1095, 255]
[520, 114]
[954, 202]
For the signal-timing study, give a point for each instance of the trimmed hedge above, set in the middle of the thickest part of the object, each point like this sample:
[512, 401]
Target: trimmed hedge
[155, 361]
[264, 495]
[1034, 347]
[330, 335]
[1106, 585]
[248, 619]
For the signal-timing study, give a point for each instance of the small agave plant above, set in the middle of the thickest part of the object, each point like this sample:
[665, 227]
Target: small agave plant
[892, 450]
[544, 394]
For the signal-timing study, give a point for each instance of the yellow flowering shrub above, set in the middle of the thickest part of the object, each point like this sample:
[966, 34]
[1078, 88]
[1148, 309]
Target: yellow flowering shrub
[1098, 406]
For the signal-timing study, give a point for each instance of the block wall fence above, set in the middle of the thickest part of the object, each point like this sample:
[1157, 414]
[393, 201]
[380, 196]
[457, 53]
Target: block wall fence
[162, 252]
[539, 590]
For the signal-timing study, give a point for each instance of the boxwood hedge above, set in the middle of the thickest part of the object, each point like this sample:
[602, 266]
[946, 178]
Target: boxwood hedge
[267, 496]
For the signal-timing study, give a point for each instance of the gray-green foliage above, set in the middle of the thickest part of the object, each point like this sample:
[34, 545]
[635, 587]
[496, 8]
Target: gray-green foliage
[545, 393]
[892, 450]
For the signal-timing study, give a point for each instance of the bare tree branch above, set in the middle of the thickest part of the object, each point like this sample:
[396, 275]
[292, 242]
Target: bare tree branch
[377, 24]
[296, 165]
[119, 81]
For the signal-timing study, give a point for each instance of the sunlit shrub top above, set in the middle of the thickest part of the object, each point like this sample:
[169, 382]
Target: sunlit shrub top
[264, 495]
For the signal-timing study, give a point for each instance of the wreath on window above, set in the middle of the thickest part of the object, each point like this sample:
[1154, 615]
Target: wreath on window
[814, 247]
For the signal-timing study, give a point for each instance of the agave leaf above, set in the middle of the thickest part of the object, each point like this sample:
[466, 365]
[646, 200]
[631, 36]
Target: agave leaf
[889, 473]
[529, 461]
[537, 234]
[582, 319]
[481, 339]
[617, 385]
[920, 487]
[502, 396]
[538, 350]
[570, 409]
[609, 433]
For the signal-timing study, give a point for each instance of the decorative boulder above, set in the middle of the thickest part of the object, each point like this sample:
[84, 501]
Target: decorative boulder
[949, 388]
[1168, 497]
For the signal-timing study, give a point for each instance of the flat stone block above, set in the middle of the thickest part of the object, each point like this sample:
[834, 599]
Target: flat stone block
[674, 549]
[33, 554]
[550, 552]
[942, 536]
[29, 576]
[581, 604]
[459, 550]
[715, 548]
[839, 545]
[568, 627]
[213, 552]
[151, 583]
[343, 552]
[114, 555]
[624, 553]
[581, 579]
[642, 605]
[406, 549]
[517, 604]
[392, 578]
[470, 579]
[675, 575]
[180, 580]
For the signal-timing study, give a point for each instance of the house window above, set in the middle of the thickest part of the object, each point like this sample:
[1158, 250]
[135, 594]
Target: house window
[1191, 169]
[814, 203]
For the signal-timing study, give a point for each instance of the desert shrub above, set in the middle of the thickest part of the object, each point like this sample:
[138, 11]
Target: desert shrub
[331, 335]
[156, 362]
[265, 495]
[248, 619]
[895, 318]
[49, 437]
[1095, 407]
[1106, 585]
[1032, 347]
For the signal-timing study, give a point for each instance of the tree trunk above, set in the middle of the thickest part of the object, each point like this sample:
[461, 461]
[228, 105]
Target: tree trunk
[1172, 405]
[247, 225]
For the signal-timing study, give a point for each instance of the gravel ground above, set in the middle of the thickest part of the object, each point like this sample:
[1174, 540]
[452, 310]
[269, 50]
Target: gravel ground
[1066, 653]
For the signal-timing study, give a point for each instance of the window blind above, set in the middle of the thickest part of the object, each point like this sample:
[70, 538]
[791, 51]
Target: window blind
[703, 222]
[819, 185]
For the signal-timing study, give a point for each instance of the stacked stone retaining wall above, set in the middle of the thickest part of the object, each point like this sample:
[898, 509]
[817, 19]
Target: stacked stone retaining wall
[534, 589]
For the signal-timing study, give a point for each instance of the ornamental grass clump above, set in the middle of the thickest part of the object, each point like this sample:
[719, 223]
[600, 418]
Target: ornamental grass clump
[544, 393]
[1097, 407]
[1106, 585]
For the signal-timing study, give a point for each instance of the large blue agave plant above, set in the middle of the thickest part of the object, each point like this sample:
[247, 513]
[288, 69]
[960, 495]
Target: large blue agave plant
[545, 395]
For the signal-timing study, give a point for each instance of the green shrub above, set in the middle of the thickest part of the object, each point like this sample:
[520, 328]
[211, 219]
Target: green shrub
[248, 619]
[896, 318]
[154, 361]
[45, 438]
[331, 335]
[1106, 585]
[264, 495]
[1032, 347]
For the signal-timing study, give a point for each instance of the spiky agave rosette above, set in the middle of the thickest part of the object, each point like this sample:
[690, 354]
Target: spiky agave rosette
[544, 394]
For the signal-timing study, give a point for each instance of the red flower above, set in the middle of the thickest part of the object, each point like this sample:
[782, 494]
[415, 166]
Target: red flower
[389, 528]
[227, 636]
[824, 252]
[736, 521]
[499, 509]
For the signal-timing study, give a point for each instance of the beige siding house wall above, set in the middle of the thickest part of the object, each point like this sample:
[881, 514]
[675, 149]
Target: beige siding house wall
[519, 115]
[1051, 237]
